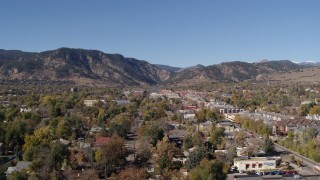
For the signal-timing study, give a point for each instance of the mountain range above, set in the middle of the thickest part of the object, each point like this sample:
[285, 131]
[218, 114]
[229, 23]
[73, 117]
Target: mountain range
[92, 67]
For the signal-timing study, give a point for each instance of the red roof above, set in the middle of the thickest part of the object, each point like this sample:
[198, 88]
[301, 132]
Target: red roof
[102, 140]
[190, 107]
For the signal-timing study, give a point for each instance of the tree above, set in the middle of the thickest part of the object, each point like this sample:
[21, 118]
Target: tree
[89, 174]
[268, 146]
[292, 158]
[101, 116]
[208, 170]
[196, 156]
[172, 174]
[315, 110]
[164, 153]
[305, 109]
[231, 153]
[197, 139]
[132, 174]
[85, 174]
[216, 135]
[214, 115]
[152, 132]
[299, 162]
[114, 155]
[201, 116]
[2, 116]
[15, 134]
[22, 175]
[63, 128]
[253, 147]
[118, 129]
[240, 138]
[48, 158]
[55, 110]
[41, 135]
[308, 134]
[98, 155]
[187, 143]
[143, 151]
[11, 112]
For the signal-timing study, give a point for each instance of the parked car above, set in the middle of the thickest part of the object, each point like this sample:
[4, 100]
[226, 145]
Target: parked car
[267, 173]
[290, 172]
[277, 172]
[272, 173]
[233, 169]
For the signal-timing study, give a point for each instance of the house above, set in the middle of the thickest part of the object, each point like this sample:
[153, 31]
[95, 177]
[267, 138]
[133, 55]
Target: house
[170, 94]
[271, 115]
[190, 107]
[173, 95]
[90, 103]
[227, 125]
[282, 127]
[122, 102]
[25, 109]
[155, 96]
[177, 137]
[242, 151]
[206, 128]
[64, 141]
[279, 128]
[256, 163]
[95, 130]
[74, 89]
[100, 140]
[20, 166]
[306, 102]
[186, 111]
[189, 116]
[223, 151]
[313, 117]
[4, 103]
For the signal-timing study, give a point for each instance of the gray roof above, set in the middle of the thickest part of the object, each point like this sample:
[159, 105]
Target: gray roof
[20, 165]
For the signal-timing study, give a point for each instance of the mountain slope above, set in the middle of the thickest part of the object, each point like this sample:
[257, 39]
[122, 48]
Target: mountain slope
[308, 63]
[233, 71]
[92, 67]
[77, 65]
[169, 68]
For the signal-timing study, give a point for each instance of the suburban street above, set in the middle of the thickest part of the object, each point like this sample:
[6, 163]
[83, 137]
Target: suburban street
[286, 154]
[307, 163]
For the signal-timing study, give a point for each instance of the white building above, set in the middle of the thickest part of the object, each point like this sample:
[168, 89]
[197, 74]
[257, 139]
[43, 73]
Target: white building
[95, 130]
[189, 116]
[313, 117]
[256, 163]
[91, 103]
[25, 109]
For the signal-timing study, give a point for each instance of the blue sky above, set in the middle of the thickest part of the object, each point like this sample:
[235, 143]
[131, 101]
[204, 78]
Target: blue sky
[172, 32]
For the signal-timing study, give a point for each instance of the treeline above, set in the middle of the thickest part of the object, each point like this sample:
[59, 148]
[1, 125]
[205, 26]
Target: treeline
[305, 143]
[256, 126]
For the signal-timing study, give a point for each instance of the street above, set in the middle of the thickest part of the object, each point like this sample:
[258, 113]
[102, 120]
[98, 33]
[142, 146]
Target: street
[286, 154]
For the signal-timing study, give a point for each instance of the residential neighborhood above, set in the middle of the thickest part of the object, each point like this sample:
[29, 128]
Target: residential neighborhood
[191, 125]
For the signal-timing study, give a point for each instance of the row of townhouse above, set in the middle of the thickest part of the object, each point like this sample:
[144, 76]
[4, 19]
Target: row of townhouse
[297, 125]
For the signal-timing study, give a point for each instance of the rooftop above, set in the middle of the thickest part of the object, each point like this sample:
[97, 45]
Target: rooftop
[256, 158]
